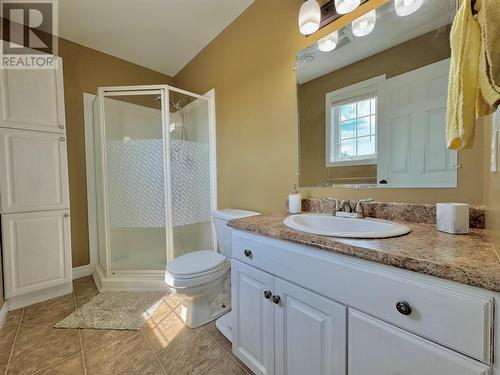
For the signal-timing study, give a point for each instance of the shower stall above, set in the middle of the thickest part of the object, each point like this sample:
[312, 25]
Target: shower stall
[154, 185]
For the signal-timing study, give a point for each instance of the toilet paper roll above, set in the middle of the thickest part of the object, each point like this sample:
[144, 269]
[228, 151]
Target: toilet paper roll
[452, 217]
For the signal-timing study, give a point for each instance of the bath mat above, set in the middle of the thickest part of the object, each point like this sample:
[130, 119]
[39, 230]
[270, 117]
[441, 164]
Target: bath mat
[114, 310]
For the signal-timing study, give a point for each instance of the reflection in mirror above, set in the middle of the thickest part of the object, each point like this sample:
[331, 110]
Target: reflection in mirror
[372, 101]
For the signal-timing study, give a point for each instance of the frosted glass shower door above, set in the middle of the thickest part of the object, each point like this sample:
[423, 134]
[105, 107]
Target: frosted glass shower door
[135, 181]
[191, 173]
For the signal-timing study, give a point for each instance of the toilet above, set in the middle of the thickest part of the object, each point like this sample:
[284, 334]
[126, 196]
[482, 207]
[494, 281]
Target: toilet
[203, 278]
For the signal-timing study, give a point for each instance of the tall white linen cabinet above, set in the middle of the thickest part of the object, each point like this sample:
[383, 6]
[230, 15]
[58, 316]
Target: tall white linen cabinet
[34, 197]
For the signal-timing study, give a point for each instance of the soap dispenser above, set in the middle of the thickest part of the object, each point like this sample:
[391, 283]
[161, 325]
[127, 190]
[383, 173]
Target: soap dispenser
[295, 201]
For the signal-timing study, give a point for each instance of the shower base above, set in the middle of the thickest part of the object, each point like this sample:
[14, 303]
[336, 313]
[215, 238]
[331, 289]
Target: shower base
[150, 281]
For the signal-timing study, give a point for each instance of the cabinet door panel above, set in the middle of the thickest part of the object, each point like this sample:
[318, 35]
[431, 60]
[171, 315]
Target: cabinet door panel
[377, 348]
[253, 318]
[36, 249]
[34, 166]
[310, 333]
[33, 99]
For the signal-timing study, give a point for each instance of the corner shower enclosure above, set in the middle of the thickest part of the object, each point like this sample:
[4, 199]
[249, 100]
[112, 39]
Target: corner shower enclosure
[154, 185]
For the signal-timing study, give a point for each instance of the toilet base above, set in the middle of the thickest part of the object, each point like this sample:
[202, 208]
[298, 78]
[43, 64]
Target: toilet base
[206, 302]
[204, 298]
[199, 311]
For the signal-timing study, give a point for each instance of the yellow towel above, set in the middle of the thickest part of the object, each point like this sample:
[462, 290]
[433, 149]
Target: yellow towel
[463, 85]
[489, 59]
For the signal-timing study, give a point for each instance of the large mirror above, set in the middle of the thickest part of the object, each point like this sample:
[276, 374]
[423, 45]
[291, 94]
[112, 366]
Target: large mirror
[372, 110]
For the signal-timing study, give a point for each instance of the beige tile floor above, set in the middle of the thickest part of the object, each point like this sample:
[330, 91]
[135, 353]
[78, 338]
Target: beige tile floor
[30, 345]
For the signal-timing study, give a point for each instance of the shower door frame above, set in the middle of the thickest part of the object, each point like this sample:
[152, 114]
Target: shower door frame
[164, 92]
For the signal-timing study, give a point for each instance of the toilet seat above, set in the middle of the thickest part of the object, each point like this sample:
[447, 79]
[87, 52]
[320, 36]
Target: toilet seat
[195, 263]
[196, 268]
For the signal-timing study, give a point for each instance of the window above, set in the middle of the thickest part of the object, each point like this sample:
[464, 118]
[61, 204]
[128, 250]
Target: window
[351, 126]
[355, 129]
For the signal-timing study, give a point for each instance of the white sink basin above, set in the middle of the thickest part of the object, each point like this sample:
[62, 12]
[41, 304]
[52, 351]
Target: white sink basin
[328, 225]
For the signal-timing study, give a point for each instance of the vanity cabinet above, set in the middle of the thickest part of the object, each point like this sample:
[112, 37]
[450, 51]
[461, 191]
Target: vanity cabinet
[334, 314]
[280, 328]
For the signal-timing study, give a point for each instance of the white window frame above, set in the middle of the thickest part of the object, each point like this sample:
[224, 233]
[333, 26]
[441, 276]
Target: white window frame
[344, 94]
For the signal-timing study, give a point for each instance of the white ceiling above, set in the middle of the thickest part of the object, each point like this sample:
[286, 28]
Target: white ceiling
[163, 35]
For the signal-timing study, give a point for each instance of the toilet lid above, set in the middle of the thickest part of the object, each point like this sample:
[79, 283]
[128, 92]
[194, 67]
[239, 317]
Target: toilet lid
[195, 262]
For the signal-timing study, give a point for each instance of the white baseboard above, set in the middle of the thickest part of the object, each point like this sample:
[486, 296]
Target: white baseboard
[39, 296]
[3, 313]
[82, 271]
[42, 295]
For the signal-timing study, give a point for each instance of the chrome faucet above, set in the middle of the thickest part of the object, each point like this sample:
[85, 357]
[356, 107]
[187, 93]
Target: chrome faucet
[348, 208]
[336, 205]
[345, 206]
[358, 208]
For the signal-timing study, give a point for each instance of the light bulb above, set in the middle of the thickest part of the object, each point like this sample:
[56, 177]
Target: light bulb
[407, 7]
[309, 17]
[346, 6]
[365, 24]
[329, 42]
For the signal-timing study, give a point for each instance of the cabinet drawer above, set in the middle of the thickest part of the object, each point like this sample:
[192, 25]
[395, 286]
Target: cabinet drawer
[444, 312]
[401, 353]
[36, 251]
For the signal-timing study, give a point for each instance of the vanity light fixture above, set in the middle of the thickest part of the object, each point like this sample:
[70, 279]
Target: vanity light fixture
[329, 42]
[312, 17]
[365, 24]
[407, 7]
[346, 6]
[309, 17]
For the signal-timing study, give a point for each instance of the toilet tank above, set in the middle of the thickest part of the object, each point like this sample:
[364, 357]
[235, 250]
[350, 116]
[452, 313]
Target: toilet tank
[221, 217]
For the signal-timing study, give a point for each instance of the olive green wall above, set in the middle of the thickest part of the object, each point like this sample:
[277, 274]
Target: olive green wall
[251, 66]
[86, 69]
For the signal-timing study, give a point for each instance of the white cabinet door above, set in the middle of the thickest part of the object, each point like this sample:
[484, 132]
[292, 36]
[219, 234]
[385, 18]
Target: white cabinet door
[36, 250]
[310, 333]
[33, 166]
[32, 99]
[253, 318]
[377, 348]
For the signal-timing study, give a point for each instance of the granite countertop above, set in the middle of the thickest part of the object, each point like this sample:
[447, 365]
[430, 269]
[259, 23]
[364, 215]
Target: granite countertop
[468, 259]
